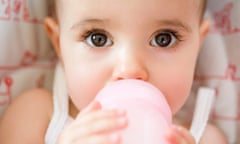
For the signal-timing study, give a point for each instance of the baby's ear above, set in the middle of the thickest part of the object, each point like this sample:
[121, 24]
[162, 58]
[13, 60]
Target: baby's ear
[204, 29]
[52, 29]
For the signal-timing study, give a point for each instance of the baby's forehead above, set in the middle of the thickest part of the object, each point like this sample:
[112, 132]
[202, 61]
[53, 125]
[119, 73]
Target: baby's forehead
[58, 5]
[199, 3]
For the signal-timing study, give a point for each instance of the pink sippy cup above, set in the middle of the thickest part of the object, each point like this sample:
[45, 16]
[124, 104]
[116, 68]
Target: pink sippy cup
[148, 112]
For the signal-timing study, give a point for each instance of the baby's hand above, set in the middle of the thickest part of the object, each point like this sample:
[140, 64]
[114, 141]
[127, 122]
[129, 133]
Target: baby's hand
[179, 135]
[94, 126]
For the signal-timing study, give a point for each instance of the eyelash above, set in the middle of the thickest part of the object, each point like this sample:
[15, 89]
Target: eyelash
[89, 32]
[174, 33]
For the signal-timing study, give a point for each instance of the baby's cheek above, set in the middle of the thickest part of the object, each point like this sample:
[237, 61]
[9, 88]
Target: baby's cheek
[79, 92]
[177, 92]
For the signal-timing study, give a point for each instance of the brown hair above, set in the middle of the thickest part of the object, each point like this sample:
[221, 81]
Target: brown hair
[52, 8]
[203, 7]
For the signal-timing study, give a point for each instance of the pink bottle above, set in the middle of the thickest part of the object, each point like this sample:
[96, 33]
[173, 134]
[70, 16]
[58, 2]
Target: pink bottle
[149, 115]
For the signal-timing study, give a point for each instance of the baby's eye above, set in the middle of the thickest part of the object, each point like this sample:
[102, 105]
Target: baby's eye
[164, 40]
[98, 39]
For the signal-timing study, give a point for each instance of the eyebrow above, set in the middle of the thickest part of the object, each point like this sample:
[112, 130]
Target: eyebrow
[89, 21]
[175, 23]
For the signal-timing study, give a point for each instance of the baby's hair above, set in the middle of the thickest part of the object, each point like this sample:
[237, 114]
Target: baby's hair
[52, 8]
[203, 7]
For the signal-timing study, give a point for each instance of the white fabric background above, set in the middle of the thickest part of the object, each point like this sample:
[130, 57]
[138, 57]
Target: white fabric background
[27, 61]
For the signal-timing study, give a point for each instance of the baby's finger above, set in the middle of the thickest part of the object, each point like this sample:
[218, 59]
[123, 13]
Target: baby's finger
[100, 139]
[99, 114]
[102, 126]
[179, 135]
[71, 138]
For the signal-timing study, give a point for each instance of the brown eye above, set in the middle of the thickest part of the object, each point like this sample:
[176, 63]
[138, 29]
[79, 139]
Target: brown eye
[164, 39]
[98, 40]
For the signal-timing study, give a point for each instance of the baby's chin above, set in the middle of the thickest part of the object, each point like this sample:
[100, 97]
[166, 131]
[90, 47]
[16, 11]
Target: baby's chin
[177, 105]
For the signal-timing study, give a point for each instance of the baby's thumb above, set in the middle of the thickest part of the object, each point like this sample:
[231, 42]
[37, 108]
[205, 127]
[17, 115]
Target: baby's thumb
[93, 106]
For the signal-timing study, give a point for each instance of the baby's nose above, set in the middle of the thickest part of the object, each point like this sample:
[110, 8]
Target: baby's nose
[130, 66]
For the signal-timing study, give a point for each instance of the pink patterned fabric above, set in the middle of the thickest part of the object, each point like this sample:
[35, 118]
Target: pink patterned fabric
[26, 59]
[219, 67]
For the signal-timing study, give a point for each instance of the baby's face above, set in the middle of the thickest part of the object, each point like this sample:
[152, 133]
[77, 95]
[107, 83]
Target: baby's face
[101, 41]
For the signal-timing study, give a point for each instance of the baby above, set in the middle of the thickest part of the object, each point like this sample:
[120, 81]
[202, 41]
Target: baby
[102, 41]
